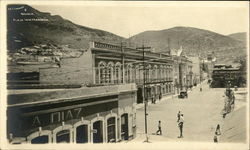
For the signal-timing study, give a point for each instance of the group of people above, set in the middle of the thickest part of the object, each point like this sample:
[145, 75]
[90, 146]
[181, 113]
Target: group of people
[180, 123]
[153, 98]
[229, 102]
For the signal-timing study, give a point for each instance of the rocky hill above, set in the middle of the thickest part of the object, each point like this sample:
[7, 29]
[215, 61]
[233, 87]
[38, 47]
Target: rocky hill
[193, 41]
[241, 36]
[28, 27]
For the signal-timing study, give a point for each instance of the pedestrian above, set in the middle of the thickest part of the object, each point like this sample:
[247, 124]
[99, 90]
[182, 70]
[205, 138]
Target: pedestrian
[180, 125]
[152, 99]
[217, 131]
[155, 98]
[215, 138]
[159, 128]
[160, 96]
[178, 116]
[200, 89]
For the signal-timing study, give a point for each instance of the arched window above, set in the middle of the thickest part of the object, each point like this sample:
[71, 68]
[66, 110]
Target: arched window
[141, 74]
[110, 73]
[137, 74]
[162, 72]
[117, 74]
[102, 72]
[147, 73]
[128, 73]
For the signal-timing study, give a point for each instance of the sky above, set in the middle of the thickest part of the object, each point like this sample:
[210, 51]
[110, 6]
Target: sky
[129, 18]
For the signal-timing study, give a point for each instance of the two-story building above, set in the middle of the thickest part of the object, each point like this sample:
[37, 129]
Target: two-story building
[108, 64]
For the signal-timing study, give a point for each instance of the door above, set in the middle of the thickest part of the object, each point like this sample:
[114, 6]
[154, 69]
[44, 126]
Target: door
[40, 140]
[82, 134]
[111, 129]
[97, 132]
[63, 136]
[124, 127]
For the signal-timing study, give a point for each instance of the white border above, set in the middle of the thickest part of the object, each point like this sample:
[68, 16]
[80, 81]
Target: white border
[160, 145]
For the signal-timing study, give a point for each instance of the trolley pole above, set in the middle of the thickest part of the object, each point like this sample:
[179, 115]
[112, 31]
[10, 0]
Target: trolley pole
[143, 95]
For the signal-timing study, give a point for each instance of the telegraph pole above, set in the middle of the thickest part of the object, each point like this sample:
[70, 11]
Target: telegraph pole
[143, 95]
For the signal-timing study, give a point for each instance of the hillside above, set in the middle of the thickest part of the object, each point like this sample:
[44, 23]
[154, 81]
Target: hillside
[241, 36]
[193, 41]
[28, 27]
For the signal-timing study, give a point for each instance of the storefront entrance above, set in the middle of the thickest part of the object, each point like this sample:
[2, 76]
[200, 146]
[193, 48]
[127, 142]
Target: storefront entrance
[82, 134]
[111, 129]
[98, 132]
[139, 96]
[40, 140]
[63, 136]
[124, 127]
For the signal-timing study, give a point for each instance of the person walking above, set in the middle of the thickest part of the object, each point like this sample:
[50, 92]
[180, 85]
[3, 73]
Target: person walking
[159, 131]
[217, 131]
[155, 99]
[180, 125]
[217, 134]
[215, 138]
[160, 96]
[178, 116]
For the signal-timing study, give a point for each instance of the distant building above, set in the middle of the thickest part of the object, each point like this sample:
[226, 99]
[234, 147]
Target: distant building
[182, 70]
[227, 76]
[196, 69]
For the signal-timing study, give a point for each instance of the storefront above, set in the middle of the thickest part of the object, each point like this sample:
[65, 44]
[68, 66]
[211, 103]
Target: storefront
[95, 118]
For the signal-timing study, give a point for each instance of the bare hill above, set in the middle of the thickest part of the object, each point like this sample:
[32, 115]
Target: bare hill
[193, 41]
[28, 26]
[240, 36]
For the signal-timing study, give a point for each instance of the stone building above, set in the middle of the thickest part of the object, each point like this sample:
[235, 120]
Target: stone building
[81, 115]
[107, 64]
[101, 110]
[183, 74]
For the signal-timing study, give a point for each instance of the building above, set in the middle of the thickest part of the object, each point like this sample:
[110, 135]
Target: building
[79, 115]
[196, 69]
[209, 62]
[227, 76]
[107, 64]
[183, 75]
[96, 100]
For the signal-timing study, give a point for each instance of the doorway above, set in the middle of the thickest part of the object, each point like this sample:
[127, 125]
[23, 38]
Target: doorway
[124, 127]
[63, 136]
[82, 134]
[40, 140]
[97, 132]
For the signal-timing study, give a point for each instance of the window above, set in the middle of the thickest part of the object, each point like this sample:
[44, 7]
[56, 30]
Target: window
[118, 73]
[102, 72]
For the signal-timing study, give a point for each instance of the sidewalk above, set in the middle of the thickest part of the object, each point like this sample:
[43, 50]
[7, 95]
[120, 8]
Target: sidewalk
[141, 137]
[171, 96]
[164, 98]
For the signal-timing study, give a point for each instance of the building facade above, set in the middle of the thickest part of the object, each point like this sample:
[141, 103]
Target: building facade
[107, 64]
[183, 74]
[111, 81]
[196, 69]
[81, 115]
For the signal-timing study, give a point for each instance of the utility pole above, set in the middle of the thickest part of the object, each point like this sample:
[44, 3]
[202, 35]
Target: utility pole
[143, 93]
[123, 65]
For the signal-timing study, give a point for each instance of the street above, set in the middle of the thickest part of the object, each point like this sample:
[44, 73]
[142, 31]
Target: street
[202, 113]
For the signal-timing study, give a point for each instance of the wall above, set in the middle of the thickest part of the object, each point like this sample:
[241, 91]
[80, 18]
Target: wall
[72, 71]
